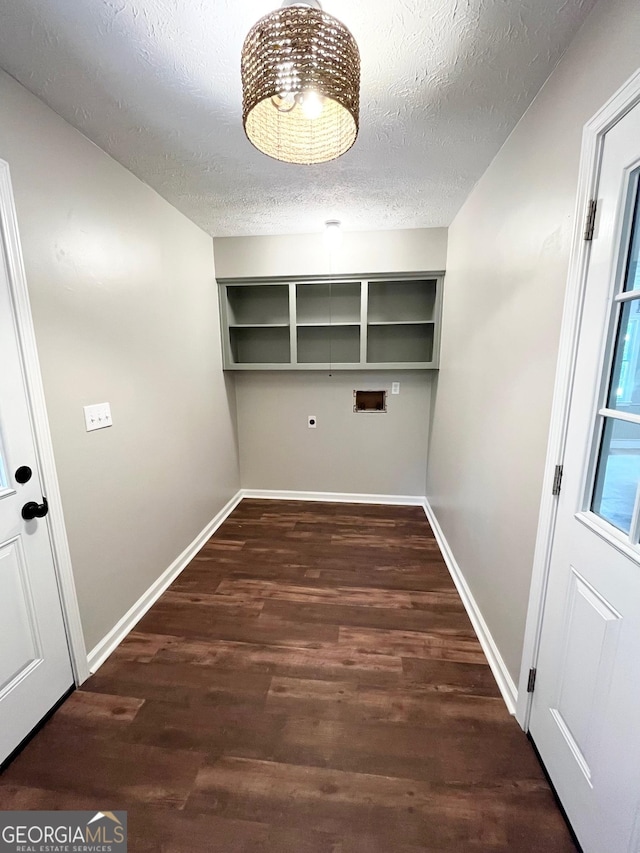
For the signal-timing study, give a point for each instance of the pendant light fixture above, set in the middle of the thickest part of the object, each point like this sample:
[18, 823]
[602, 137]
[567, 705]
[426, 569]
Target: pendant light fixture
[301, 84]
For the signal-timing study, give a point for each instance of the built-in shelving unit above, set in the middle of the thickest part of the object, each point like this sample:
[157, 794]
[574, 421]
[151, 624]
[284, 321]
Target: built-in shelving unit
[374, 322]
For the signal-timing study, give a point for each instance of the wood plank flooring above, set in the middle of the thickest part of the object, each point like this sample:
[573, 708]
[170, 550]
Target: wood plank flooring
[310, 683]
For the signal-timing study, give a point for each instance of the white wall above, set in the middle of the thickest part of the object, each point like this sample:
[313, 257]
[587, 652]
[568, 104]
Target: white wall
[125, 310]
[347, 452]
[506, 275]
[365, 453]
[411, 250]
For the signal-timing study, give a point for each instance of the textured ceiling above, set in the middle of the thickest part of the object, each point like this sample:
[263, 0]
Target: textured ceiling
[156, 84]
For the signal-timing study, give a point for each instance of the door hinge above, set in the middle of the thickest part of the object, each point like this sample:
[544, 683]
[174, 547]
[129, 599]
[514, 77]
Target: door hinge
[590, 222]
[557, 480]
[531, 683]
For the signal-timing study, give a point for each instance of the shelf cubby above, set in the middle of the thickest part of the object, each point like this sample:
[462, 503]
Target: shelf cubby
[402, 301]
[404, 342]
[260, 345]
[258, 305]
[328, 302]
[328, 344]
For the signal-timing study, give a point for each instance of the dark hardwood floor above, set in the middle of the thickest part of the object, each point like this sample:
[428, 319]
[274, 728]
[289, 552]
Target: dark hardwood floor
[310, 683]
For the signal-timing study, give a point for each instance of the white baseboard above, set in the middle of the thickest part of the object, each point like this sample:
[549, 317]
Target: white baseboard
[333, 497]
[98, 655]
[499, 669]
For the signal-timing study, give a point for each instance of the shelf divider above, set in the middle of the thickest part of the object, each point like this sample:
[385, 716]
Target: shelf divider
[293, 337]
[364, 307]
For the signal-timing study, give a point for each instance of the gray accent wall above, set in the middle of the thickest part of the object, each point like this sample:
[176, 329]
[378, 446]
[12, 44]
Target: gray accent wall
[125, 310]
[363, 453]
[506, 275]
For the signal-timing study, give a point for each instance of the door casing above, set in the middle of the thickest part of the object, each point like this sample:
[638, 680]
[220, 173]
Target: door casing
[624, 100]
[37, 409]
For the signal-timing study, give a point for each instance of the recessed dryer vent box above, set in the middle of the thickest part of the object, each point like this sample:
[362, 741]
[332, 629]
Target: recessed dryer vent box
[369, 401]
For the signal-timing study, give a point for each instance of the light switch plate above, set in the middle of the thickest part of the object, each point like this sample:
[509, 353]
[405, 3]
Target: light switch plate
[97, 416]
[395, 387]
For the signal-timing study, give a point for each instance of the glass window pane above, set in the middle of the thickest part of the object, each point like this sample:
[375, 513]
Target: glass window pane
[632, 281]
[624, 393]
[618, 473]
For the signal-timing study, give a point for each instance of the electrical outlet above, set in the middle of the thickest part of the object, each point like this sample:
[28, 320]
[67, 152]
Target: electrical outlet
[97, 416]
[395, 387]
[312, 421]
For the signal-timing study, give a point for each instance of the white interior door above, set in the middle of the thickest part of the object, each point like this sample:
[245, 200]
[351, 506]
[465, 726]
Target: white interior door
[585, 716]
[35, 668]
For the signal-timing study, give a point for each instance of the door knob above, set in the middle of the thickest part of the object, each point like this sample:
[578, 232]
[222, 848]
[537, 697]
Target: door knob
[33, 510]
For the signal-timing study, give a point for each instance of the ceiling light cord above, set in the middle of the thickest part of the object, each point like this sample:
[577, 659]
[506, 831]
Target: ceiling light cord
[332, 240]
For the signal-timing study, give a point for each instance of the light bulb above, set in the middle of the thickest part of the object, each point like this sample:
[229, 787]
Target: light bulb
[312, 104]
[287, 79]
[284, 102]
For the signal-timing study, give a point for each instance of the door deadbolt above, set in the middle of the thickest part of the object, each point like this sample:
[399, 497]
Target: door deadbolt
[23, 474]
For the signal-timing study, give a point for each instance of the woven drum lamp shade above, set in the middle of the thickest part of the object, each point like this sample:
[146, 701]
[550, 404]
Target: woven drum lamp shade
[301, 85]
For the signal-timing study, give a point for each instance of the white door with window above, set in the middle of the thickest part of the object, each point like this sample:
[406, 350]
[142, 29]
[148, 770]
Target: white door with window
[35, 668]
[585, 718]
